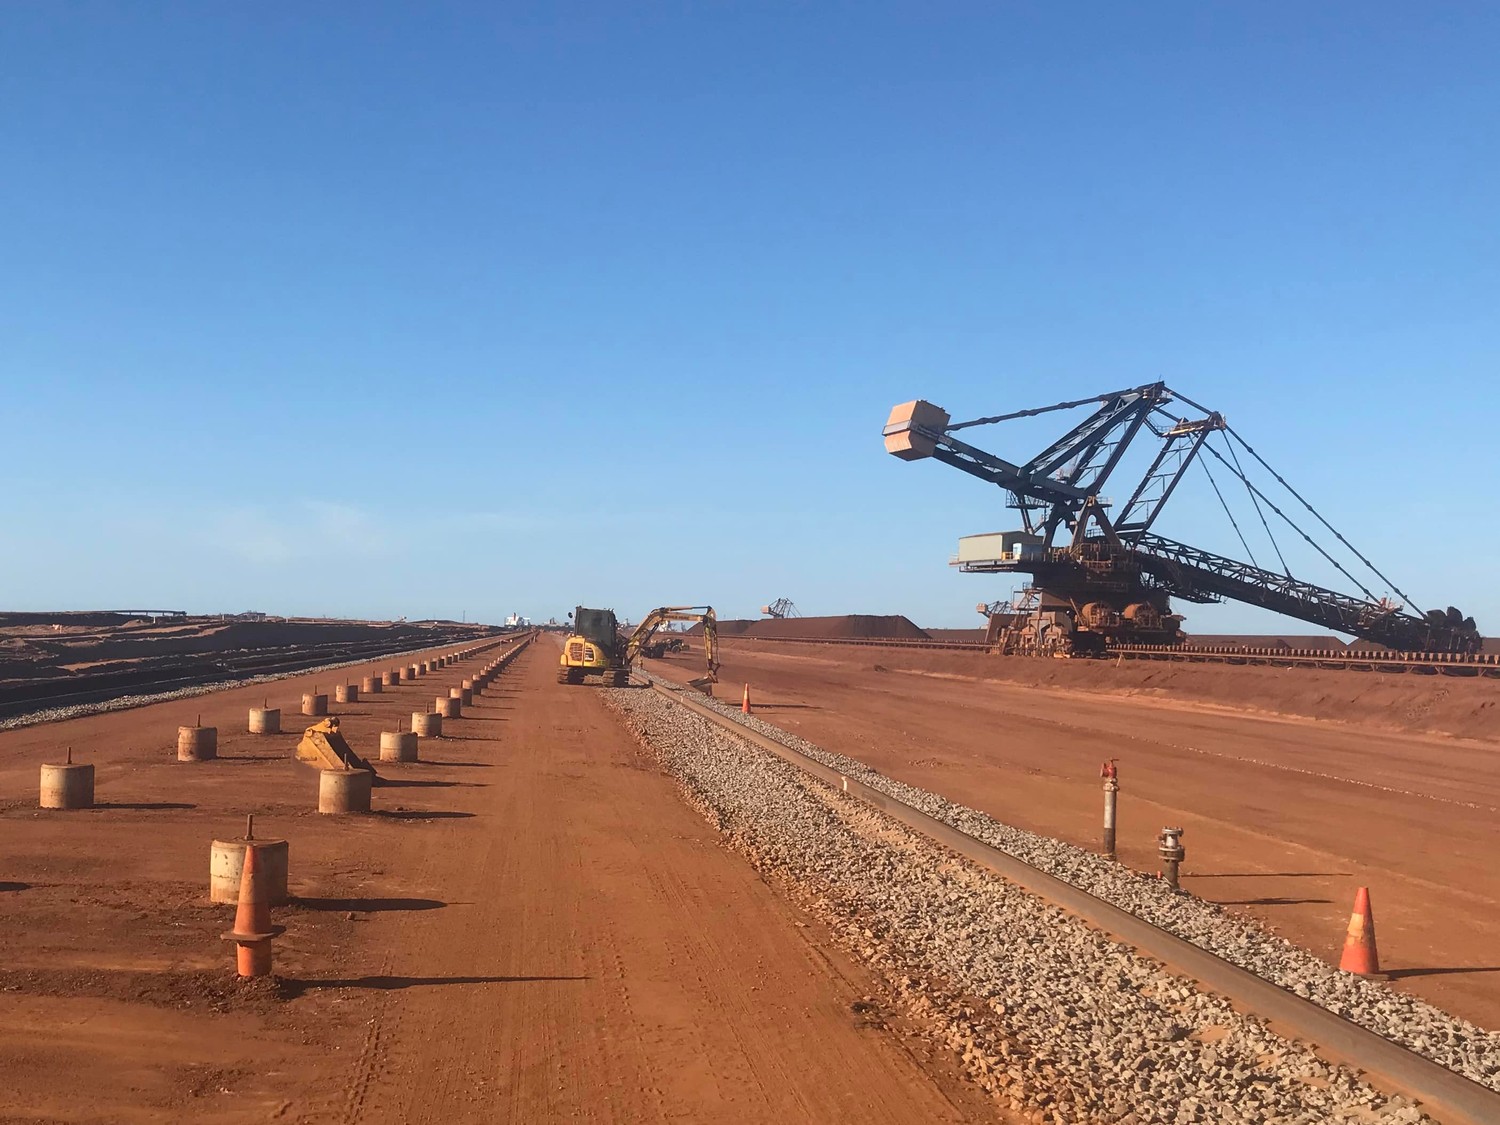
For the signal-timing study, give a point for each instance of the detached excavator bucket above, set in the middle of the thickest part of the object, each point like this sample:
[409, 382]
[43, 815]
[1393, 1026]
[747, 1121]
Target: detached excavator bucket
[324, 747]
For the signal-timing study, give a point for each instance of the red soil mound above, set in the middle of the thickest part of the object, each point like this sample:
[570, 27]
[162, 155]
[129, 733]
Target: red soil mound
[853, 625]
[834, 628]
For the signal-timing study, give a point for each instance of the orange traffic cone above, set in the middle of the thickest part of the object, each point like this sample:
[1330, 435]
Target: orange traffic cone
[745, 703]
[1360, 955]
[253, 931]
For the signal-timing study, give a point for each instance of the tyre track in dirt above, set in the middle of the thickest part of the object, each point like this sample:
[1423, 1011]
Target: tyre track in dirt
[601, 956]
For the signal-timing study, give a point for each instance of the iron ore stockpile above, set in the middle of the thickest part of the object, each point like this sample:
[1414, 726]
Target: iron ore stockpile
[54, 665]
[848, 626]
[1047, 1012]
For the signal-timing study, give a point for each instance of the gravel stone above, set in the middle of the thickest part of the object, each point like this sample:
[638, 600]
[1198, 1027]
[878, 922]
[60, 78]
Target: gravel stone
[1047, 1014]
[1446, 1039]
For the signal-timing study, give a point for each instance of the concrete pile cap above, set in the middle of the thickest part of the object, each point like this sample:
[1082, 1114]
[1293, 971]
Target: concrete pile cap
[226, 863]
[344, 791]
[69, 785]
[264, 720]
[398, 746]
[197, 743]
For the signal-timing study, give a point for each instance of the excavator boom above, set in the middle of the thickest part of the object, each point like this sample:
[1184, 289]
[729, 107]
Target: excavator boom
[658, 617]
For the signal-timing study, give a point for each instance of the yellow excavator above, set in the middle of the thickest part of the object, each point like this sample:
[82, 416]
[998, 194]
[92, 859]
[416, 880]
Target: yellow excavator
[596, 647]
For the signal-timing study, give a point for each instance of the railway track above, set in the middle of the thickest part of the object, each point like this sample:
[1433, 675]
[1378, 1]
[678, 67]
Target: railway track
[1445, 1095]
[27, 697]
[1418, 663]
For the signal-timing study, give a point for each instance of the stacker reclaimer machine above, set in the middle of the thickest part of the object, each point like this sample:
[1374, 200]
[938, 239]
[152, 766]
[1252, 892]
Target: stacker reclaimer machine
[1098, 579]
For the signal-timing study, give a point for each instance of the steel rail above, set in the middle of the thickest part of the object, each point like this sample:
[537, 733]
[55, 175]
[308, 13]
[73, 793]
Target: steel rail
[1429, 663]
[1447, 1096]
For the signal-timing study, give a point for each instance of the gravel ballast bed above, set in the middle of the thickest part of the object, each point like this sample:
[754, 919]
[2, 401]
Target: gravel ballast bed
[1455, 1043]
[1045, 1012]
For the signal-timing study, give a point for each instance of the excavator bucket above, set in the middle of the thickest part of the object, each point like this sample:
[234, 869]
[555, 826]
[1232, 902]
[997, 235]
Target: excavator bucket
[324, 747]
[705, 684]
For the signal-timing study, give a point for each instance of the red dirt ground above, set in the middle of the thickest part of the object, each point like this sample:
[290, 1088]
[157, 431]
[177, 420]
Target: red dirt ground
[1285, 815]
[531, 927]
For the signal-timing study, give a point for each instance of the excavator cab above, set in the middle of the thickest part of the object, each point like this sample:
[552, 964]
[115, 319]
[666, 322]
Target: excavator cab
[593, 646]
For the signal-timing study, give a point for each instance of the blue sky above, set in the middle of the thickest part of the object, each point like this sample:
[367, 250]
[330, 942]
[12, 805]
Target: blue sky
[440, 309]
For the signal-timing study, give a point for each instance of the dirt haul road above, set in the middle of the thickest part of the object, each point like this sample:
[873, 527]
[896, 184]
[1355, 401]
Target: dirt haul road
[532, 927]
[1284, 816]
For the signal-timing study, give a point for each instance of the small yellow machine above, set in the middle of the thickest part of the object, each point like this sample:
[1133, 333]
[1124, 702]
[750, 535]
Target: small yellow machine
[324, 747]
[596, 647]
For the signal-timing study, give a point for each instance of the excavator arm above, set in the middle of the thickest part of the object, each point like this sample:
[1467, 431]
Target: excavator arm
[703, 614]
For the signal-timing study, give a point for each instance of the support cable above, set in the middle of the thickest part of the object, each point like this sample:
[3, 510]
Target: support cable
[1246, 481]
[1308, 538]
[1373, 568]
[1230, 514]
[1046, 409]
